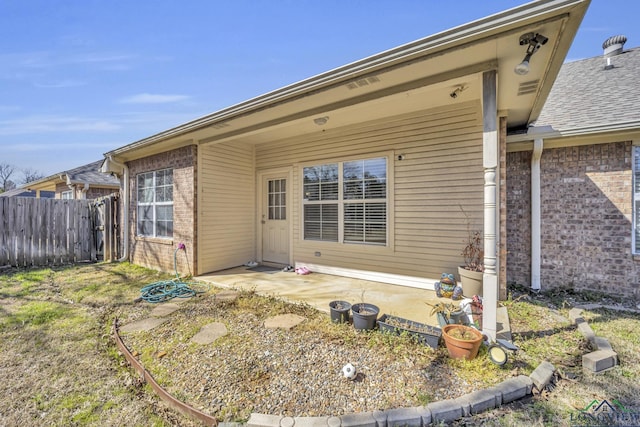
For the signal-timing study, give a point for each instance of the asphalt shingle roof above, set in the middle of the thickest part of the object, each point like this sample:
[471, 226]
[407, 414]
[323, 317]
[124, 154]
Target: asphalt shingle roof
[91, 174]
[585, 94]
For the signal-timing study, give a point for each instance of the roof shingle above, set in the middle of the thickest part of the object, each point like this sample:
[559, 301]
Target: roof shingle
[586, 94]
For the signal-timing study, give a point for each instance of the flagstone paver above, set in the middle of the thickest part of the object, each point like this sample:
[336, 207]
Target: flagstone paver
[143, 325]
[283, 321]
[226, 296]
[165, 309]
[209, 333]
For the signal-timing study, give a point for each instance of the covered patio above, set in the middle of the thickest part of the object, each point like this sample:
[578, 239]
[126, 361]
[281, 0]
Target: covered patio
[318, 290]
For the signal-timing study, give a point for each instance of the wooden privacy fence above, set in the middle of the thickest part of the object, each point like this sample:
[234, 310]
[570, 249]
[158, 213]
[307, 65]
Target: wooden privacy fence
[36, 232]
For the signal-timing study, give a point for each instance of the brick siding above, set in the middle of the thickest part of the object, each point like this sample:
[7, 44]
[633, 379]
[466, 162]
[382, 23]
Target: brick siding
[159, 253]
[92, 192]
[586, 211]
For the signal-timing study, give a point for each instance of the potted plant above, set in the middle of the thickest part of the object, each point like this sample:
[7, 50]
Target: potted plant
[339, 311]
[364, 315]
[462, 341]
[448, 313]
[473, 269]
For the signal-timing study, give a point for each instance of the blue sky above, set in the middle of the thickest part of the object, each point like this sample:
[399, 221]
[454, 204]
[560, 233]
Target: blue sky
[81, 77]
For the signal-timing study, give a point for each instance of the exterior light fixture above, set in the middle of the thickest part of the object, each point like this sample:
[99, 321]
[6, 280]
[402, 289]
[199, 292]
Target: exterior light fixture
[321, 120]
[457, 91]
[534, 42]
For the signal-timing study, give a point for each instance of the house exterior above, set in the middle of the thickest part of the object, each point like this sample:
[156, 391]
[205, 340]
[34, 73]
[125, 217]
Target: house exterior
[375, 170]
[23, 192]
[573, 186]
[83, 182]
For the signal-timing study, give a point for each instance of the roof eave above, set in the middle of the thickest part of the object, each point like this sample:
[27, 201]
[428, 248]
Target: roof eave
[440, 42]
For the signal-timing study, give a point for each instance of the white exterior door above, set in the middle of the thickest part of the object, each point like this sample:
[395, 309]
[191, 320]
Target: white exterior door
[275, 219]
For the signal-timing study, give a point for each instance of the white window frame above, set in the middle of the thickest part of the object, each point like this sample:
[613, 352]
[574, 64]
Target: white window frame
[66, 195]
[154, 204]
[635, 207]
[341, 201]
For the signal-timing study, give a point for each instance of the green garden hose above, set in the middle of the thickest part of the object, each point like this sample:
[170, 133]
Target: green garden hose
[165, 290]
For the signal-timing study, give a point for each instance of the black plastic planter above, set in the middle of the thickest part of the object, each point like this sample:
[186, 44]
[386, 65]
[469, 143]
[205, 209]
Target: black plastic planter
[425, 334]
[364, 316]
[339, 311]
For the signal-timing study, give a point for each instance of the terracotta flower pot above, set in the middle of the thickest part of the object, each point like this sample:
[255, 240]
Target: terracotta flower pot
[462, 348]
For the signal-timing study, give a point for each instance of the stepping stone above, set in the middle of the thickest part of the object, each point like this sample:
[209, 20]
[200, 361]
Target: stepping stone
[284, 321]
[164, 309]
[226, 296]
[143, 325]
[209, 333]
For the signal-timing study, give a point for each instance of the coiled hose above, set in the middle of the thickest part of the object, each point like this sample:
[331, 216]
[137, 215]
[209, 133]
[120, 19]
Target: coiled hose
[165, 290]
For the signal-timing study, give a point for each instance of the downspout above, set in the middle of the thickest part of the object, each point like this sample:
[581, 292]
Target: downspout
[84, 190]
[538, 145]
[125, 214]
[71, 186]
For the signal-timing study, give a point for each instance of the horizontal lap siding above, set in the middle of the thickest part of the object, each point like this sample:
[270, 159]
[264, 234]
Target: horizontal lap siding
[441, 170]
[226, 232]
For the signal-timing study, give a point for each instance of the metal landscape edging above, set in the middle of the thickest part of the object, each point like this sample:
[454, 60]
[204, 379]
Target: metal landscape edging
[161, 392]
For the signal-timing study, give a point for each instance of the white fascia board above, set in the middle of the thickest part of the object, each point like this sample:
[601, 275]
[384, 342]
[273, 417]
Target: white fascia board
[547, 132]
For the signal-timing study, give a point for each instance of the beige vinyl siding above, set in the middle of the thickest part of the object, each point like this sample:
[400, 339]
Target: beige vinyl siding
[441, 170]
[226, 223]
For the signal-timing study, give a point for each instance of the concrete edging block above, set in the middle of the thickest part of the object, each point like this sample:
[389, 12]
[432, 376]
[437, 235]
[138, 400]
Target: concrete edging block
[380, 417]
[409, 417]
[264, 420]
[602, 343]
[575, 315]
[358, 419]
[542, 375]
[445, 411]
[515, 388]
[586, 331]
[600, 360]
[311, 421]
[478, 401]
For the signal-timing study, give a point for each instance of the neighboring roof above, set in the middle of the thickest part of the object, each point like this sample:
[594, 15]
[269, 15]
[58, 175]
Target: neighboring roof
[397, 80]
[586, 95]
[87, 174]
[91, 174]
[23, 192]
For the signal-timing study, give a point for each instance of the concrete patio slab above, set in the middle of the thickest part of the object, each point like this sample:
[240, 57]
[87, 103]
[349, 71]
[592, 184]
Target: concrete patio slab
[318, 290]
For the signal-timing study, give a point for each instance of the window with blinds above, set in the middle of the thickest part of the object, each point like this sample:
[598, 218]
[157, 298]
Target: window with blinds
[155, 203]
[636, 200]
[346, 202]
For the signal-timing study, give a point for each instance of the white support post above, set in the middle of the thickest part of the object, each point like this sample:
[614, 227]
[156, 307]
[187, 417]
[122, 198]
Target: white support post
[490, 155]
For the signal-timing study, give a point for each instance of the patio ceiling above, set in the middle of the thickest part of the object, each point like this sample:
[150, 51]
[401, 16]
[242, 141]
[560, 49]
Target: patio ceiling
[413, 77]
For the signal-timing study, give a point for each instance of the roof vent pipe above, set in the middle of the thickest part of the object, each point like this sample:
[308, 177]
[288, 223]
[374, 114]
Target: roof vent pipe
[613, 46]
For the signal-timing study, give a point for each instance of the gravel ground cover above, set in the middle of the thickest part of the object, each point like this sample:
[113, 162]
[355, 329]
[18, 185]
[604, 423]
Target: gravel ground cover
[294, 372]
[59, 364]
